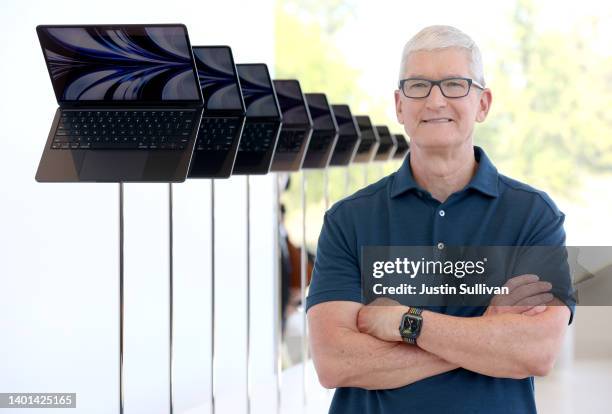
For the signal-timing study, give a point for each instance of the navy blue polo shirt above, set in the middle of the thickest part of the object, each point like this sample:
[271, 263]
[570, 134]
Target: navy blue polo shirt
[492, 210]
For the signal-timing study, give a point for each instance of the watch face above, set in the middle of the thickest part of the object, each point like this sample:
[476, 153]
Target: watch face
[411, 326]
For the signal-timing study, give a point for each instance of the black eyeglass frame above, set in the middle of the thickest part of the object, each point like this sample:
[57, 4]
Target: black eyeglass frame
[439, 83]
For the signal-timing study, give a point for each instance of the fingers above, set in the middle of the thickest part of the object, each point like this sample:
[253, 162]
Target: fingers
[517, 281]
[536, 300]
[528, 295]
[535, 310]
[528, 290]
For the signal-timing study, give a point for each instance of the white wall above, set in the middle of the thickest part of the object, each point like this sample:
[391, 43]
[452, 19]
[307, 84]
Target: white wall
[59, 243]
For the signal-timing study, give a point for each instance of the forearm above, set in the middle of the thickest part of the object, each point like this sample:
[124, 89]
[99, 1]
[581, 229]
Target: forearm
[505, 345]
[352, 359]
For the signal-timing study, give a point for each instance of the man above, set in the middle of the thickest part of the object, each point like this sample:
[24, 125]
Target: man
[447, 192]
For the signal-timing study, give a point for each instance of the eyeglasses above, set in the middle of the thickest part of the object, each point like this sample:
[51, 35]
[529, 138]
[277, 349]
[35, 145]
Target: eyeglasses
[450, 87]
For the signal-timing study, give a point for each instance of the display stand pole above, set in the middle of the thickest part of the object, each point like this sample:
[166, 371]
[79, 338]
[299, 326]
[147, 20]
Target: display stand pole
[326, 188]
[326, 199]
[278, 298]
[248, 292]
[347, 180]
[121, 243]
[212, 297]
[303, 269]
[171, 296]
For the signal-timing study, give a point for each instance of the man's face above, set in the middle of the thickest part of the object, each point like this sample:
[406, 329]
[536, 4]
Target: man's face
[425, 120]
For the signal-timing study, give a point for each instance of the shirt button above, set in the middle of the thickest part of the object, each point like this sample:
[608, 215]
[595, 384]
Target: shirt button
[440, 246]
[441, 213]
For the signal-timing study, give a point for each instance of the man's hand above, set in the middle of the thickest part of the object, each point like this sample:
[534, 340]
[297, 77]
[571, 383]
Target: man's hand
[528, 296]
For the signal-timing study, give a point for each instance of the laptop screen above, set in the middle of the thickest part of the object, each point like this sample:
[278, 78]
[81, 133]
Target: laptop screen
[218, 78]
[291, 102]
[135, 63]
[320, 111]
[256, 85]
[344, 119]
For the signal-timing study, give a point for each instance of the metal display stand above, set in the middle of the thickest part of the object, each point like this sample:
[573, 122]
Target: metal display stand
[303, 276]
[248, 293]
[347, 181]
[212, 297]
[326, 189]
[326, 207]
[278, 299]
[171, 298]
[121, 246]
[278, 293]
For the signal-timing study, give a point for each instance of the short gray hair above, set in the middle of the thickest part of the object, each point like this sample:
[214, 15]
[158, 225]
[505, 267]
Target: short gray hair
[442, 37]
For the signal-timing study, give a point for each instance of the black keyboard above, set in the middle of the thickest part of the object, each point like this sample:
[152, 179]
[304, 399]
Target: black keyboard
[217, 134]
[258, 136]
[159, 129]
[290, 141]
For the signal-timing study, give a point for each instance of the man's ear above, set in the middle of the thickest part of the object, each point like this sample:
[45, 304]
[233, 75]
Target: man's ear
[398, 107]
[484, 105]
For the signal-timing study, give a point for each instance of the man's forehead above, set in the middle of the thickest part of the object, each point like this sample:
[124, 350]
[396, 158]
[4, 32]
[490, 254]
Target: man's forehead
[444, 75]
[445, 63]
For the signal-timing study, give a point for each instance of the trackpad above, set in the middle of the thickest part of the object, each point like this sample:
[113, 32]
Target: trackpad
[113, 166]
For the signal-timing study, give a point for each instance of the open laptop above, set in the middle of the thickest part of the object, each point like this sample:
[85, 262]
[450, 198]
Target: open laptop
[387, 146]
[402, 147]
[349, 136]
[263, 120]
[129, 103]
[324, 132]
[296, 129]
[369, 140]
[223, 120]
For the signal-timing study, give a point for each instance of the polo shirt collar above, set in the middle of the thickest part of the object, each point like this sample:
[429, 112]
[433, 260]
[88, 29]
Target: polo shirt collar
[485, 180]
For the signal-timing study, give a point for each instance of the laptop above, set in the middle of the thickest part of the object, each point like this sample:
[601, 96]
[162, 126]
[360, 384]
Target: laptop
[224, 113]
[349, 136]
[263, 120]
[402, 147]
[129, 103]
[324, 132]
[369, 140]
[296, 129]
[387, 146]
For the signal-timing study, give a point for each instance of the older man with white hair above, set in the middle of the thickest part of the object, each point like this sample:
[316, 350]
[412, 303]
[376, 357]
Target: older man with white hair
[399, 359]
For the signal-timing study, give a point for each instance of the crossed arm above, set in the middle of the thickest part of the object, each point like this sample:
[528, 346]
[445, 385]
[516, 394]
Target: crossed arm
[345, 357]
[359, 346]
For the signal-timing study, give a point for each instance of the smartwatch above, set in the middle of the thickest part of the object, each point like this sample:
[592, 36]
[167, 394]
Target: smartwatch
[410, 327]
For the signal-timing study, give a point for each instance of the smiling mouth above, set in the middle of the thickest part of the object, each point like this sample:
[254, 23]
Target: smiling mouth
[437, 121]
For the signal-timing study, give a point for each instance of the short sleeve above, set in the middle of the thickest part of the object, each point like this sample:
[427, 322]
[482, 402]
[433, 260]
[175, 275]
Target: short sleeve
[546, 255]
[336, 274]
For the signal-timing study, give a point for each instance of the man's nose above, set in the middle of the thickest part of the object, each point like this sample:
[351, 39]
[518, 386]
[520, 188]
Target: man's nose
[435, 98]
